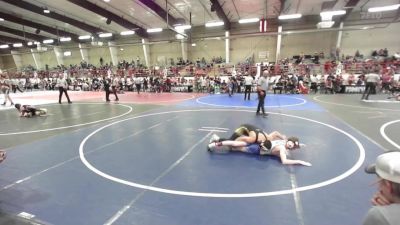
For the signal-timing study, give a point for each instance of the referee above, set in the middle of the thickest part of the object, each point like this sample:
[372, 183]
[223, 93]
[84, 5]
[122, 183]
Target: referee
[371, 80]
[262, 87]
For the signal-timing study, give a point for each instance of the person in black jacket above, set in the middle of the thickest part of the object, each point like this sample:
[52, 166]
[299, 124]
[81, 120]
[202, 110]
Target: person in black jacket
[107, 83]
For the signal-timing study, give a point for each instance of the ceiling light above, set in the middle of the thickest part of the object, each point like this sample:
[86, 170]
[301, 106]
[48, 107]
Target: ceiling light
[325, 24]
[17, 45]
[194, 44]
[48, 41]
[67, 53]
[121, 49]
[214, 24]
[154, 30]
[250, 20]
[333, 13]
[384, 8]
[36, 42]
[30, 43]
[289, 16]
[46, 10]
[106, 0]
[183, 27]
[1, 19]
[84, 37]
[4, 46]
[127, 32]
[104, 35]
[63, 39]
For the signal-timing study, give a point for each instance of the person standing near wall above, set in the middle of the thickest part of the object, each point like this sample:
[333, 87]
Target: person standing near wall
[114, 87]
[248, 82]
[106, 83]
[62, 88]
[262, 87]
[5, 86]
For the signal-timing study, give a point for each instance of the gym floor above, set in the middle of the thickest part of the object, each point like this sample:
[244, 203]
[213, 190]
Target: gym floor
[144, 160]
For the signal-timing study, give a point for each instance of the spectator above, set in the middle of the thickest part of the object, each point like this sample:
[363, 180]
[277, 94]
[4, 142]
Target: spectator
[387, 200]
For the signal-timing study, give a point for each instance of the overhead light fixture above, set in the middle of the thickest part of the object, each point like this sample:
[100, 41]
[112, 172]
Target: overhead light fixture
[17, 45]
[104, 35]
[37, 42]
[1, 19]
[194, 44]
[30, 43]
[4, 46]
[121, 49]
[127, 32]
[64, 39]
[325, 24]
[154, 30]
[48, 41]
[46, 10]
[84, 37]
[106, 0]
[67, 53]
[249, 20]
[214, 24]
[289, 16]
[384, 8]
[183, 27]
[333, 13]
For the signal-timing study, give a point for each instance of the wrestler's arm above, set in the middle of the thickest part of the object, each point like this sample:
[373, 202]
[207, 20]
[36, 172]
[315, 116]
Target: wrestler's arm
[286, 161]
[275, 135]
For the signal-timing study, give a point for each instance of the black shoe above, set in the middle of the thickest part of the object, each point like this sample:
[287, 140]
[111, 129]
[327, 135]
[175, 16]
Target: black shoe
[69, 102]
[3, 103]
[12, 103]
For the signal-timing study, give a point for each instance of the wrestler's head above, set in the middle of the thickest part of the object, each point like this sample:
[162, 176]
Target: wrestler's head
[18, 106]
[293, 143]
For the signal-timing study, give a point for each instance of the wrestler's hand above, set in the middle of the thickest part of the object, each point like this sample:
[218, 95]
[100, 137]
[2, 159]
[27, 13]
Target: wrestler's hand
[305, 163]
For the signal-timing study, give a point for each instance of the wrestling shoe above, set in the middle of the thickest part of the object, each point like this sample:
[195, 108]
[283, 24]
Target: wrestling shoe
[214, 138]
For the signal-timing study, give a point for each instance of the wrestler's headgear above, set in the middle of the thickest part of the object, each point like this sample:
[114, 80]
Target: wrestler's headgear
[18, 106]
[295, 141]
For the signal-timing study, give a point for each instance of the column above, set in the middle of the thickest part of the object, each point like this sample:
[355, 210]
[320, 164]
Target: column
[59, 55]
[17, 59]
[113, 52]
[36, 59]
[184, 47]
[146, 51]
[339, 38]
[1, 63]
[84, 52]
[227, 47]
[278, 44]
